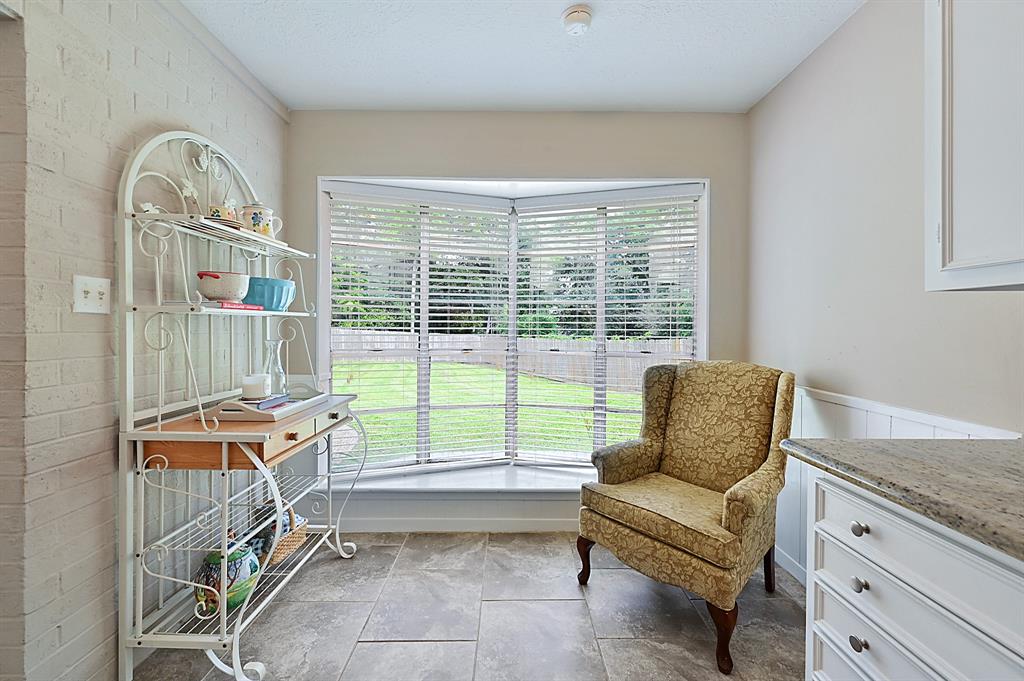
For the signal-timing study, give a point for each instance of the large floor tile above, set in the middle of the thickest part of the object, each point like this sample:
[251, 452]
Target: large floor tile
[661, 659]
[411, 661]
[784, 613]
[786, 586]
[327, 577]
[603, 559]
[537, 641]
[427, 605]
[174, 665]
[530, 567]
[307, 641]
[768, 643]
[769, 653]
[626, 604]
[443, 551]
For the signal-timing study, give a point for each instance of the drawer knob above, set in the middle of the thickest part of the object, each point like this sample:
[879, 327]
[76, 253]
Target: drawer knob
[859, 529]
[291, 436]
[859, 645]
[334, 416]
[858, 584]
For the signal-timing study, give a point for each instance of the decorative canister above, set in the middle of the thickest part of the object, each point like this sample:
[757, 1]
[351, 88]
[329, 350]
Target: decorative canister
[261, 219]
[243, 570]
[254, 215]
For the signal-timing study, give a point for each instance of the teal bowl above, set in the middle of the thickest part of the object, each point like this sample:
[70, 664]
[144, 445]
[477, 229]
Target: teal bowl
[274, 295]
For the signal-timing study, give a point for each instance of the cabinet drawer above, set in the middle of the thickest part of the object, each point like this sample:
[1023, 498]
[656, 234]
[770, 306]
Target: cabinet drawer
[830, 664]
[930, 631]
[881, 658]
[289, 438]
[329, 418]
[966, 583]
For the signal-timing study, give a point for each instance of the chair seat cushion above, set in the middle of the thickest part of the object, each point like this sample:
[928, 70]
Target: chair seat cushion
[685, 516]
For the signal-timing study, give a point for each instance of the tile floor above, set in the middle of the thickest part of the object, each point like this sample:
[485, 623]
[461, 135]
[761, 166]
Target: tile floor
[498, 607]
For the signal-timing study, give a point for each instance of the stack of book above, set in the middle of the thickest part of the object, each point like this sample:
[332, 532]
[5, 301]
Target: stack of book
[266, 403]
[232, 305]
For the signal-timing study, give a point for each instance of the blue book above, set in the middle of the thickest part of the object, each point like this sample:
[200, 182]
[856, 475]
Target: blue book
[268, 403]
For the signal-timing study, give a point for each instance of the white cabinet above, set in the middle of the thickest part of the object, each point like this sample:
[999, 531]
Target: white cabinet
[892, 595]
[974, 144]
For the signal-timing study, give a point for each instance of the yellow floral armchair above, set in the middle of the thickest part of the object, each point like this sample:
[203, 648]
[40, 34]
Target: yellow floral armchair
[692, 502]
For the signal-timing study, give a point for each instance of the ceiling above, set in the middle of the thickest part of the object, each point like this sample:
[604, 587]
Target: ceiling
[514, 55]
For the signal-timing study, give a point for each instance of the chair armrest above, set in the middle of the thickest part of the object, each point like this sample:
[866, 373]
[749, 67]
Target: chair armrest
[754, 495]
[625, 461]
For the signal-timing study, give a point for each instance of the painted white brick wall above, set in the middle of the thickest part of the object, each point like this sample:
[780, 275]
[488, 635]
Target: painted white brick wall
[100, 77]
[14, 488]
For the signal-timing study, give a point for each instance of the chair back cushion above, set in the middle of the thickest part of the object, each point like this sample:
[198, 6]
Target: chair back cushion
[719, 425]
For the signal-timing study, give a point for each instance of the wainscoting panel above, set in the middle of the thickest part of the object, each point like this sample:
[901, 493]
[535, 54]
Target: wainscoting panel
[821, 414]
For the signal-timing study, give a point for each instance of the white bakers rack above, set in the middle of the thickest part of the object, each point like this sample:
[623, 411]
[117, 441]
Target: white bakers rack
[188, 483]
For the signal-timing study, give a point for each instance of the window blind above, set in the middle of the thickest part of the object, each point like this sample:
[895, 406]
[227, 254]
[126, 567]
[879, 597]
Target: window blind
[603, 292]
[493, 330]
[419, 327]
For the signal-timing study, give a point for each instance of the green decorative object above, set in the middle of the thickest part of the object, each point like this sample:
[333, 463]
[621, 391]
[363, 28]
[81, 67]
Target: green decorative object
[243, 571]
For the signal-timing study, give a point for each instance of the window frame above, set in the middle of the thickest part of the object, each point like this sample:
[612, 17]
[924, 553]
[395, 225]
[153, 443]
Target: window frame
[373, 187]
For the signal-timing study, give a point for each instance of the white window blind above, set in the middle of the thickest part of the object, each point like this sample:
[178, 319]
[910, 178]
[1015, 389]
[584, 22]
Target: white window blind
[603, 292]
[507, 329]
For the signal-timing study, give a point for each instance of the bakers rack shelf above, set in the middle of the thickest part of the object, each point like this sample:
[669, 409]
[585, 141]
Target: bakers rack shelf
[198, 225]
[200, 309]
[189, 485]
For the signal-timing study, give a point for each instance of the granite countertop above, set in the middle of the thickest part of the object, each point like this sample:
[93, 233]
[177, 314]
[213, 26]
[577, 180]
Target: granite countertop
[975, 487]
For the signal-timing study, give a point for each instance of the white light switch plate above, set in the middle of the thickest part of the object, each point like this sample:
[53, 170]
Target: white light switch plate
[92, 295]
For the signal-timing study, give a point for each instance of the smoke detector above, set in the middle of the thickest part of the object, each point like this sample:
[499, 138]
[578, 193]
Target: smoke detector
[576, 19]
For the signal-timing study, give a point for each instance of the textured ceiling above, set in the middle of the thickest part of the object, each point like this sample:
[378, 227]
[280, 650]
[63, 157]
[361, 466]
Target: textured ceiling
[513, 55]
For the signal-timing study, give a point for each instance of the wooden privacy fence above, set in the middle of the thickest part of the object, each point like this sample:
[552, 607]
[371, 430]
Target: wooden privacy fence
[561, 359]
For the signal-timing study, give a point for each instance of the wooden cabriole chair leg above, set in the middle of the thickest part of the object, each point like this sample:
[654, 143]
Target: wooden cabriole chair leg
[725, 623]
[583, 545]
[769, 570]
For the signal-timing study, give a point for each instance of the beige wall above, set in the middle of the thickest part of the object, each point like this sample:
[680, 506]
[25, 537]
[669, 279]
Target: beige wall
[549, 146]
[98, 84]
[836, 253]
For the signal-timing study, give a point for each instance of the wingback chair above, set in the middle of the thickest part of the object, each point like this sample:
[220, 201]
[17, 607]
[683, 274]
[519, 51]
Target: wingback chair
[692, 502]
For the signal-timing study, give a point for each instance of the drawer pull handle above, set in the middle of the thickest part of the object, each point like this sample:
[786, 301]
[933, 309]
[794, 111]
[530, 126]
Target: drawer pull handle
[858, 584]
[859, 529]
[291, 436]
[334, 416]
[859, 645]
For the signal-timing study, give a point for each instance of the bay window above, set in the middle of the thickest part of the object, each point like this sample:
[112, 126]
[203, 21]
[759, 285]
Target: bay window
[480, 329]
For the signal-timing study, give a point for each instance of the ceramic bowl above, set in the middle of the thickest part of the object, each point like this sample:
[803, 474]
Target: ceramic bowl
[273, 294]
[223, 285]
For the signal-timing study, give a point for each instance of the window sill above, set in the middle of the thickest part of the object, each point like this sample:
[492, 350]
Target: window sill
[496, 478]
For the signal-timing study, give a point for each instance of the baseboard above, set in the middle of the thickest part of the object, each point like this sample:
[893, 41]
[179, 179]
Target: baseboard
[793, 567]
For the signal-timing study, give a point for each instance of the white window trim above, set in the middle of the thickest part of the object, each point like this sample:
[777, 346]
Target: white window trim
[370, 187]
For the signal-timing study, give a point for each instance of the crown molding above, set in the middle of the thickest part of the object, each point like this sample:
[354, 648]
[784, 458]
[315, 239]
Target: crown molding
[184, 17]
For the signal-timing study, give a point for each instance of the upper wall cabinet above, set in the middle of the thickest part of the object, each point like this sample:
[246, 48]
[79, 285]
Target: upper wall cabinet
[974, 144]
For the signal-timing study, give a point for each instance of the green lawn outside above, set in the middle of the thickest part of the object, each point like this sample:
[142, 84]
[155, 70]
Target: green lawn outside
[468, 431]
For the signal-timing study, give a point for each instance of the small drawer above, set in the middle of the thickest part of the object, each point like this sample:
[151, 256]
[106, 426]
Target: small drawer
[289, 438]
[874, 652]
[330, 418]
[921, 625]
[960, 580]
[831, 664]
